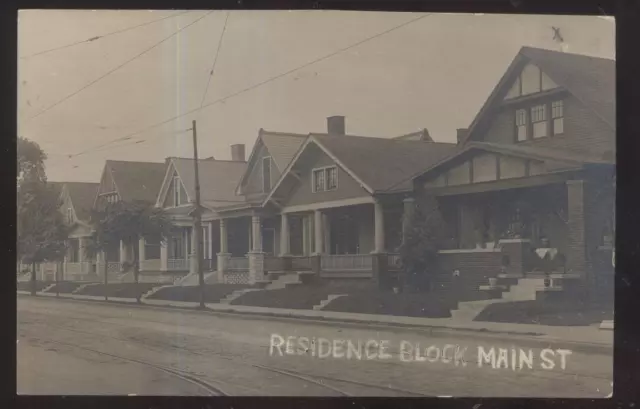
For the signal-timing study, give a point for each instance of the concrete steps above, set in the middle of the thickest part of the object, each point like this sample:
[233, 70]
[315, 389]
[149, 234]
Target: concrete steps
[237, 294]
[83, 286]
[524, 290]
[326, 302]
[280, 280]
[190, 279]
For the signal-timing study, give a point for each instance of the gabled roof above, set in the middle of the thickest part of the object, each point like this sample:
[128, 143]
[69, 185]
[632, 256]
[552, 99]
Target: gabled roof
[422, 135]
[282, 147]
[380, 165]
[218, 180]
[523, 151]
[137, 180]
[590, 79]
[82, 196]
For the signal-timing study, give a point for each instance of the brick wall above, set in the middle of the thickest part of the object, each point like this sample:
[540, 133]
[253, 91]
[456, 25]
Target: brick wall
[475, 270]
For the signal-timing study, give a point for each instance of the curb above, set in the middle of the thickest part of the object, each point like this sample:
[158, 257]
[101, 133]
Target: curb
[524, 337]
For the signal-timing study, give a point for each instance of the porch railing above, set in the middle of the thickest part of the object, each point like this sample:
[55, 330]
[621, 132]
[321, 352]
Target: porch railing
[150, 265]
[84, 267]
[238, 264]
[177, 264]
[300, 263]
[346, 262]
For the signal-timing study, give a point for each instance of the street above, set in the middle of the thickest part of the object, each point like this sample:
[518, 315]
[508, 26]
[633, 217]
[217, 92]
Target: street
[69, 347]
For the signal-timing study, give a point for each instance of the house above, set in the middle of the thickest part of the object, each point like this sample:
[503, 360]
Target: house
[76, 201]
[129, 181]
[534, 171]
[218, 181]
[316, 199]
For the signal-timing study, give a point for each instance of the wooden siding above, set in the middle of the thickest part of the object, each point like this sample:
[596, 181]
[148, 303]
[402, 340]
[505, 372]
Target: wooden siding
[302, 193]
[584, 131]
[254, 180]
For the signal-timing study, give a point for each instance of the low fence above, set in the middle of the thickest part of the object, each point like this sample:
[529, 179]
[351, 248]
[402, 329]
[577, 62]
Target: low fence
[177, 264]
[346, 262]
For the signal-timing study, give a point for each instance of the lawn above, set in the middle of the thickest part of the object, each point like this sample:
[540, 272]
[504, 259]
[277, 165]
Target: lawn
[26, 285]
[65, 287]
[213, 292]
[387, 303]
[302, 297]
[547, 313]
[122, 290]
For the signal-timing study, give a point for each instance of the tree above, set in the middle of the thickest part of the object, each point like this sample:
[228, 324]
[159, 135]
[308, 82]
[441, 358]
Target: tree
[41, 232]
[424, 231]
[126, 222]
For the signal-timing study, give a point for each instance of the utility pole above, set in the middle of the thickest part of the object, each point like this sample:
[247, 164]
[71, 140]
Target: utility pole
[197, 217]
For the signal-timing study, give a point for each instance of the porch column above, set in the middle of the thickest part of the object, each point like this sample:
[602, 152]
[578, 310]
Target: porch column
[317, 227]
[224, 255]
[123, 254]
[256, 234]
[409, 207]
[193, 260]
[379, 227]
[256, 256]
[284, 235]
[164, 254]
[141, 252]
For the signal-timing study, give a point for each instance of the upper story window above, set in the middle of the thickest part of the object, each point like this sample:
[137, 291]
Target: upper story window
[69, 215]
[539, 120]
[557, 117]
[111, 197]
[521, 124]
[266, 174]
[536, 122]
[176, 191]
[325, 179]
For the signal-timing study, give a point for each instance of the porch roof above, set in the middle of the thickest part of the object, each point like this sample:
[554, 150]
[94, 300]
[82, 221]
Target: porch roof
[578, 159]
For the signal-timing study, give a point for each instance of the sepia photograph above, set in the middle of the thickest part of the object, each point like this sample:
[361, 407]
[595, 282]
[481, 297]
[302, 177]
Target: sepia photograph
[315, 203]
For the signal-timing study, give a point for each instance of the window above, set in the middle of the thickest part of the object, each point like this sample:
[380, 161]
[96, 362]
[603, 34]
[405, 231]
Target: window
[318, 180]
[557, 117]
[266, 174]
[539, 120]
[69, 215]
[176, 191]
[325, 179]
[521, 124]
[332, 178]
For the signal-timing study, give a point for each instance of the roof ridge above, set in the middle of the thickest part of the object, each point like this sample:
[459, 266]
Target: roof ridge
[294, 134]
[526, 47]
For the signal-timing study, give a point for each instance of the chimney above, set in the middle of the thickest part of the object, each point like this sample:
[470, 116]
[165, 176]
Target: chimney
[462, 134]
[336, 125]
[237, 152]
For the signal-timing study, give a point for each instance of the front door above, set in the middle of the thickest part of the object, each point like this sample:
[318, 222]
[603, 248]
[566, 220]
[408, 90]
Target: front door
[269, 240]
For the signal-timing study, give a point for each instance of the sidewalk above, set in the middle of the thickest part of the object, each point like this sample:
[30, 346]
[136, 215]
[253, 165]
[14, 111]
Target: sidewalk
[584, 337]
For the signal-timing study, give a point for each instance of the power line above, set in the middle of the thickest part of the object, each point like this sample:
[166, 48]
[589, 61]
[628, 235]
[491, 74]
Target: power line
[235, 94]
[116, 68]
[92, 39]
[215, 60]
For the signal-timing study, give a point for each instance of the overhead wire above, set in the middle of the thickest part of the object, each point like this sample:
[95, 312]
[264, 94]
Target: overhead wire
[99, 37]
[254, 86]
[111, 71]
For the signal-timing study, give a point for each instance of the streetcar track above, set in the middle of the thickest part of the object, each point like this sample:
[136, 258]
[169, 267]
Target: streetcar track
[214, 390]
[286, 372]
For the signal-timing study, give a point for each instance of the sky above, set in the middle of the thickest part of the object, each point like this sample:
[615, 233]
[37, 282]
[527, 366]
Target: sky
[434, 73]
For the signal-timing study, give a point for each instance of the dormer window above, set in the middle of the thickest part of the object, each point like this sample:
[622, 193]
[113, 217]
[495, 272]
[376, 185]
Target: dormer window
[266, 174]
[539, 121]
[557, 117]
[176, 191]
